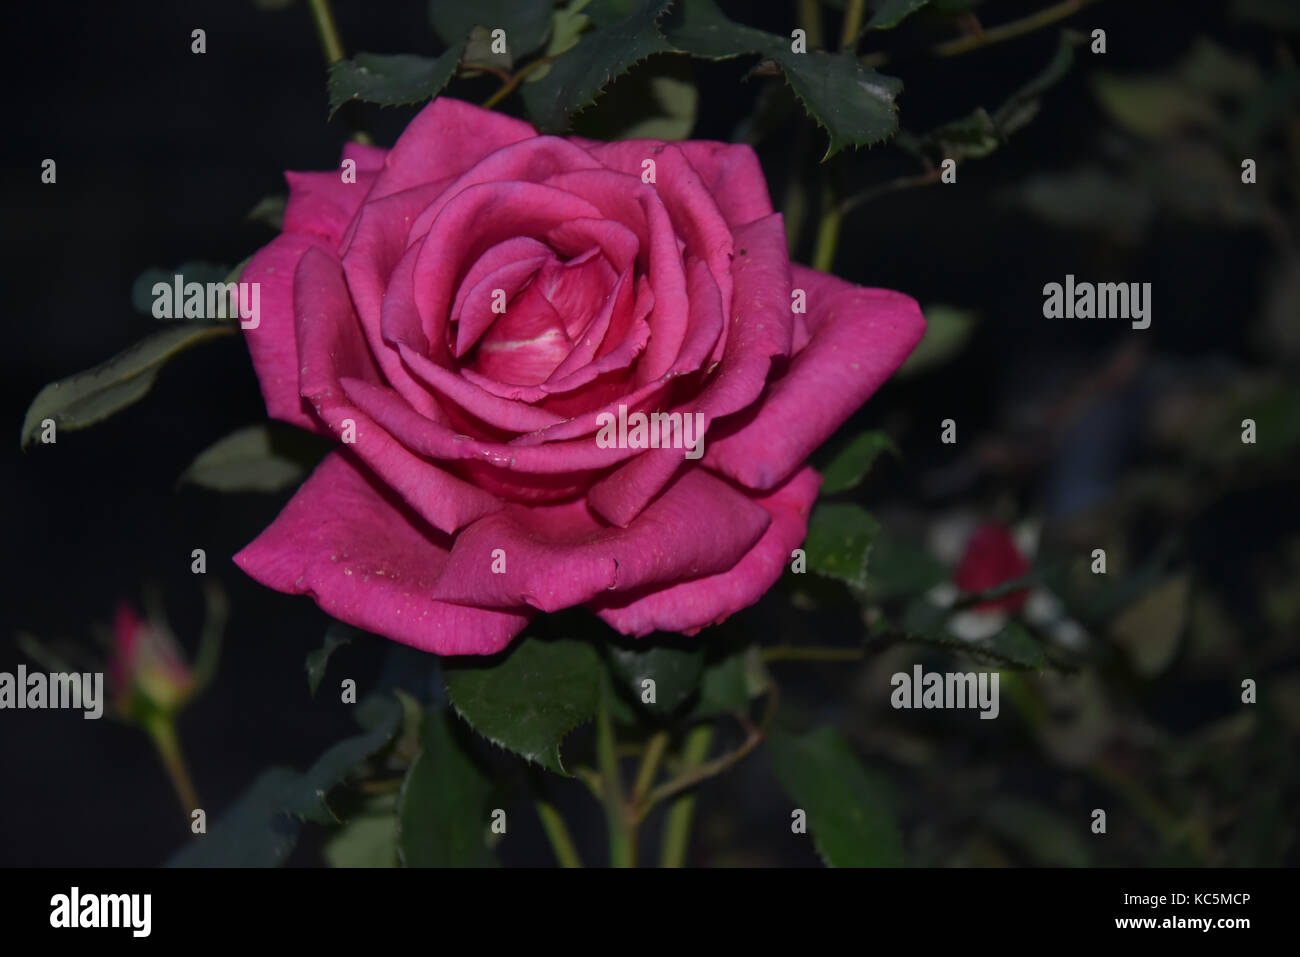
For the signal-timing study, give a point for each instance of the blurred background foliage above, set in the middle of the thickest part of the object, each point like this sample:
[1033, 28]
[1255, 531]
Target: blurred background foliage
[1120, 691]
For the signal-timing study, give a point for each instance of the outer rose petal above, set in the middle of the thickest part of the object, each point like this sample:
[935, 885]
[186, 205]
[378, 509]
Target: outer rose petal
[444, 139]
[559, 556]
[692, 605]
[859, 337]
[273, 345]
[365, 558]
[731, 172]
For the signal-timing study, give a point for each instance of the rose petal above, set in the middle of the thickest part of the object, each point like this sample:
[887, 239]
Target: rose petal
[331, 345]
[859, 337]
[273, 343]
[712, 599]
[425, 152]
[560, 555]
[355, 549]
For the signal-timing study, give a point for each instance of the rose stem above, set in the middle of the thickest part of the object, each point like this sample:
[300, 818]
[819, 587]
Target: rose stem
[852, 24]
[622, 837]
[332, 46]
[162, 729]
[1006, 31]
[677, 828]
[650, 761]
[811, 21]
[557, 833]
[327, 30]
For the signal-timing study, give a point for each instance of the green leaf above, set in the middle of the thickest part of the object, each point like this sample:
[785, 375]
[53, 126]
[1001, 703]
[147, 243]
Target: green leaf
[851, 464]
[253, 833]
[392, 79]
[528, 699]
[92, 396]
[852, 103]
[527, 23]
[947, 330]
[672, 116]
[269, 211]
[305, 798]
[1014, 645]
[840, 536]
[890, 13]
[442, 818]
[368, 839]
[729, 684]
[849, 812]
[336, 636]
[567, 24]
[625, 33]
[699, 28]
[901, 569]
[257, 458]
[675, 670]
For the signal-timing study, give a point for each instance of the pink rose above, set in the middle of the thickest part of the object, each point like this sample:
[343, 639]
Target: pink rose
[471, 490]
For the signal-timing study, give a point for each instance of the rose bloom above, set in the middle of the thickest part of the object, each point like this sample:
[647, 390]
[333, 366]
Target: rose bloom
[469, 490]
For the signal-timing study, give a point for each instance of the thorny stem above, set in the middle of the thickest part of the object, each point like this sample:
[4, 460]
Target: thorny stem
[514, 80]
[702, 772]
[1006, 31]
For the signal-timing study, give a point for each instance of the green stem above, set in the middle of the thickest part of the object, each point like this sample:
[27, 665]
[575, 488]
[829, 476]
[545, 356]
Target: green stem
[690, 777]
[622, 836]
[513, 81]
[557, 832]
[650, 761]
[998, 34]
[162, 729]
[677, 827]
[828, 233]
[853, 15]
[327, 30]
[810, 18]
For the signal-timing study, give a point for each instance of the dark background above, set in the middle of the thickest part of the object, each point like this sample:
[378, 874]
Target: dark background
[160, 154]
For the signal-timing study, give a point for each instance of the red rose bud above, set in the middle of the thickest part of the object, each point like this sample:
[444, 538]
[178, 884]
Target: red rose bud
[991, 558]
[146, 668]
